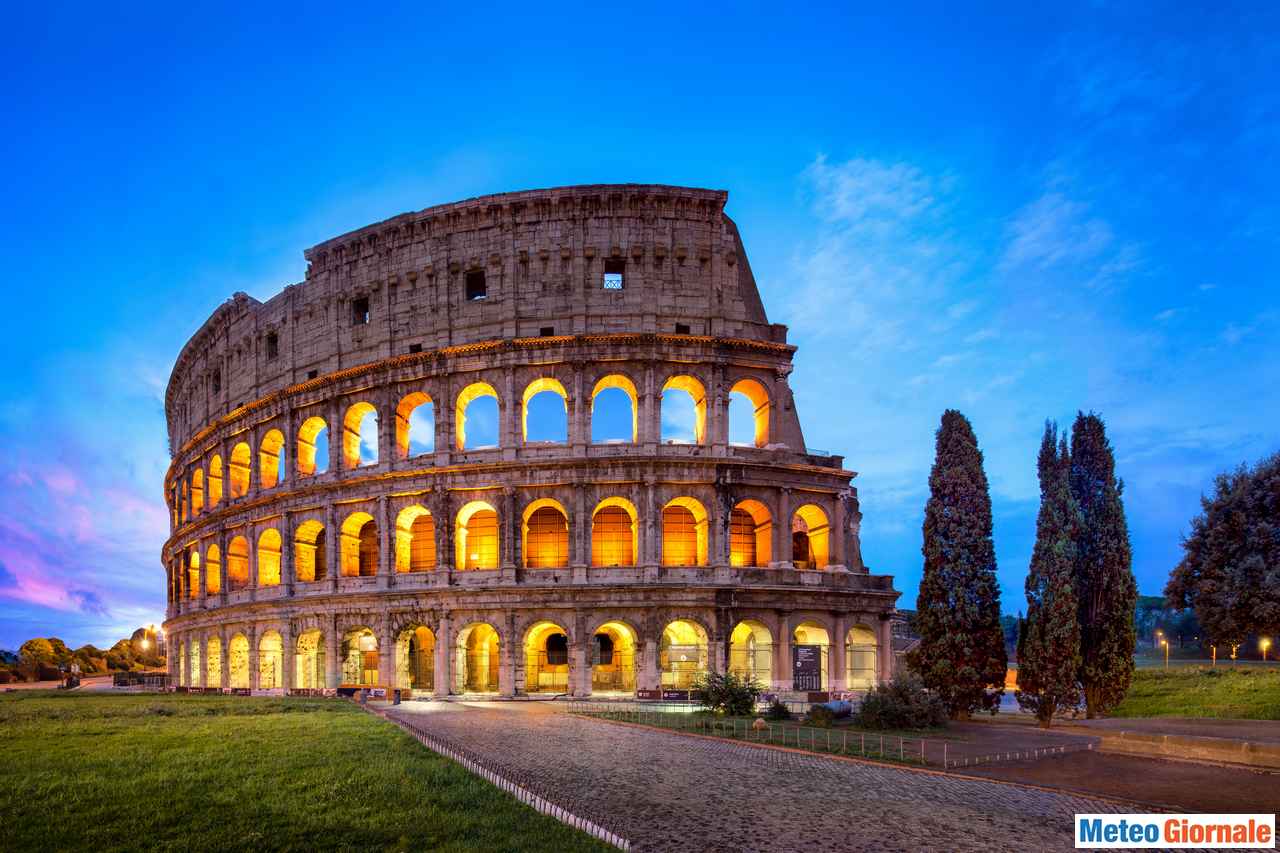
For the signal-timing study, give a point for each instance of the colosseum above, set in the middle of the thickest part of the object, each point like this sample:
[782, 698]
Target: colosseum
[444, 462]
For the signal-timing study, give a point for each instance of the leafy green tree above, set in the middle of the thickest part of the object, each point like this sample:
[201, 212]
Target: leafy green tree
[36, 651]
[961, 654]
[1105, 584]
[1230, 569]
[1049, 641]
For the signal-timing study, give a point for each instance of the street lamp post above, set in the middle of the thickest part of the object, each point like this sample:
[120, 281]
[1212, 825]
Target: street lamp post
[1165, 643]
[1264, 643]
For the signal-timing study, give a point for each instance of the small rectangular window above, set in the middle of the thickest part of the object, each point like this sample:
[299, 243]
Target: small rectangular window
[547, 331]
[613, 271]
[682, 329]
[360, 311]
[217, 381]
[476, 289]
[312, 374]
[273, 346]
[415, 348]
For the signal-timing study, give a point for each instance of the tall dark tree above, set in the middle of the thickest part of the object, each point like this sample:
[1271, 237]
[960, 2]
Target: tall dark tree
[1104, 573]
[961, 654]
[1230, 570]
[1049, 641]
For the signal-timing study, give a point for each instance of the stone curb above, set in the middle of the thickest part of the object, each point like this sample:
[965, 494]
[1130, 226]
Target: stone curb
[1194, 748]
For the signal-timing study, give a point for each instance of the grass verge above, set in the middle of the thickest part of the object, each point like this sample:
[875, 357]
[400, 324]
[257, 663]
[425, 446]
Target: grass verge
[1242, 693]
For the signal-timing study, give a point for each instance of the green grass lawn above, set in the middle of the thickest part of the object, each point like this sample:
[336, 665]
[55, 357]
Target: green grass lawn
[1246, 693]
[113, 772]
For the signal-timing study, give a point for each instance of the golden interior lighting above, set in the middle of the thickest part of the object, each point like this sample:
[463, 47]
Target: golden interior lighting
[270, 660]
[682, 654]
[404, 419]
[308, 661]
[237, 563]
[197, 491]
[215, 480]
[239, 469]
[750, 534]
[213, 662]
[238, 661]
[698, 394]
[468, 395]
[622, 383]
[476, 535]
[612, 658]
[546, 651]
[270, 452]
[310, 560]
[308, 436]
[476, 659]
[352, 423]
[756, 394]
[614, 533]
[213, 571]
[269, 557]
[546, 535]
[415, 659]
[684, 533]
[810, 534]
[751, 652]
[193, 575]
[358, 546]
[360, 658]
[415, 540]
[860, 658]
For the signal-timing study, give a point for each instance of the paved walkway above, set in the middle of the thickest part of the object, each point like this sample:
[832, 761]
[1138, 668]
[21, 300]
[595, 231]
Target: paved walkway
[672, 792]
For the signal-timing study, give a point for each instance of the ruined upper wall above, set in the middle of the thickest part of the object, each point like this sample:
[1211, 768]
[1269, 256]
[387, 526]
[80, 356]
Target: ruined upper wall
[543, 255]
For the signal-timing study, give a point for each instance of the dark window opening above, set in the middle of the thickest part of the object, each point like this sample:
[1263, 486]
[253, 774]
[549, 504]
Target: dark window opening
[217, 381]
[557, 650]
[273, 345]
[682, 328]
[613, 270]
[312, 374]
[415, 348]
[360, 311]
[547, 331]
[476, 288]
[604, 649]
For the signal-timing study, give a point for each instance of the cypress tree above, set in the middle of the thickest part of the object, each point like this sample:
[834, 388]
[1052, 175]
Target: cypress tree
[961, 654]
[1049, 639]
[1105, 584]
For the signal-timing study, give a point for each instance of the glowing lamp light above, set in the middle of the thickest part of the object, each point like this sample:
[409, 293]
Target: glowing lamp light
[368, 643]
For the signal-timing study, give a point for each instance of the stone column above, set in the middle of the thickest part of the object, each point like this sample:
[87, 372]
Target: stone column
[288, 452]
[385, 550]
[251, 538]
[782, 531]
[335, 430]
[581, 534]
[224, 669]
[203, 580]
[251, 634]
[718, 412]
[647, 676]
[509, 531]
[509, 433]
[837, 678]
[332, 541]
[649, 411]
[837, 536]
[884, 650]
[444, 417]
[387, 450]
[506, 659]
[287, 653]
[782, 668]
[579, 424]
[286, 553]
[386, 654]
[579, 668]
[332, 650]
[222, 569]
[443, 658]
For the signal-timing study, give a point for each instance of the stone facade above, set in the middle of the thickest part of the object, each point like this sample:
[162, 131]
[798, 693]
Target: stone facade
[327, 572]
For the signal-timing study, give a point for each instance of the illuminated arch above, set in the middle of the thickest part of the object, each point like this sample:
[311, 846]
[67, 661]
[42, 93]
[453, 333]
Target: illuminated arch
[750, 534]
[194, 652]
[615, 536]
[311, 432]
[268, 553]
[237, 563]
[476, 537]
[415, 540]
[861, 658]
[477, 655]
[310, 556]
[698, 394]
[612, 658]
[238, 661]
[755, 394]
[810, 538]
[625, 385]
[353, 424]
[359, 657]
[811, 633]
[197, 491]
[270, 661]
[405, 432]
[186, 499]
[545, 535]
[415, 658]
[751, 651]
[213, 570]
[544, 385]
[684, 533]
[546, 650]
[238, 474]
[308, 660]
[358, 546]
[270, 457]
[193, 575]
[215, 481]
[466, 397]
[682, 654]
[213, 662]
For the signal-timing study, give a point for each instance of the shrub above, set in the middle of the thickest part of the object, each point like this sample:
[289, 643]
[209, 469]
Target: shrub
[727, 693]
[901, 704]
[777, 711]
[820, 716]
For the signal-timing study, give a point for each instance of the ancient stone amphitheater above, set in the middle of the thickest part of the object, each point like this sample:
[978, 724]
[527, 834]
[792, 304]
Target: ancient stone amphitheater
[402, 553]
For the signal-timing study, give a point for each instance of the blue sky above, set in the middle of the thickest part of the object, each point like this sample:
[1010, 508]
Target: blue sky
[1015, 213]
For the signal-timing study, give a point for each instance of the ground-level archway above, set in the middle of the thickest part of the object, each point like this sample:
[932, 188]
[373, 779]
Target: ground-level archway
[270, 661]
[612, 658]
[546, 650]
[682, 654]
[476, 659]
[309, 661]
[415, 659]
[815, 637]
[238, 662]
[861, 658]
[359, 658]
[751, 652]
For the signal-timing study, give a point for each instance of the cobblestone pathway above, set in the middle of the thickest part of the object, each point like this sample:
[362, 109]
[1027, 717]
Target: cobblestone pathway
[671, 792]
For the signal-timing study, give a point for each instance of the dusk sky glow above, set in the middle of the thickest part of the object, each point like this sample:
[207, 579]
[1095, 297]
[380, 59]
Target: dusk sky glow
[1018, 214]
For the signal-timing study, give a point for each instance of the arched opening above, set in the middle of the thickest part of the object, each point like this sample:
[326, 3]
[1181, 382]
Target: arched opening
[546, 535]
[215, 481]
[751, 652]
[193, 575]
[476, 537]
[809, 538]
[359, 658]
[308, 661]
[684, 533]
[186, 500]
[476, 418]
[194, 651]
[415, 425]
[615, 411]
[748, 414]
[415, 540]
[239, 469]
[197, 491]
[415, 659]
[182, 665]
[310, 560]
[750, 534]
[238, 661]
[269, 547]
[213, 662]
[238, 564]
[684, 411]
[612, 658]
[360, 436]
[271, 459]
[682, 654]
[476, 659]
[313, 447]
[814, 636]
[545, 411]
[861, 658]
[359, 546]
[213, 571]
[270, 661]
[614, 533]
[546, 650]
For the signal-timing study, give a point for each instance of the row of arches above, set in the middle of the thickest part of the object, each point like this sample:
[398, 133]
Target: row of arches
[613, 416]
[545, 539]
[473, 660]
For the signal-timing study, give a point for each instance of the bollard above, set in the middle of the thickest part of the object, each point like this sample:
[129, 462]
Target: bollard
[395, 697]
[364, 697]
